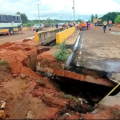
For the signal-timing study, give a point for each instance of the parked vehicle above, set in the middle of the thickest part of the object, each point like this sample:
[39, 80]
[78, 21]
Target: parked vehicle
[38, 27]
[46, 22]
[97, 22]
[11, 23]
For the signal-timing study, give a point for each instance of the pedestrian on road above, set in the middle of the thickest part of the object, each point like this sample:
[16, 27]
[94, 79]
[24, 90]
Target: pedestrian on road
[66, 25]
[104, 26]
[70, 25]
[56, 25]
[82, 24]
[80, 27]
[110, 25]
[87, 25]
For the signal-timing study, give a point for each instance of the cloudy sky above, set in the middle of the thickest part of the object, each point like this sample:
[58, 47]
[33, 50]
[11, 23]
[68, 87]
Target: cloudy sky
[59, 9]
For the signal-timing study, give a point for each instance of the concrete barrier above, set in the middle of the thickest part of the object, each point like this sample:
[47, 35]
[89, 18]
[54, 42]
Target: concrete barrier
[61, 36]
[24, 28]
[4, 30]
[44, 37]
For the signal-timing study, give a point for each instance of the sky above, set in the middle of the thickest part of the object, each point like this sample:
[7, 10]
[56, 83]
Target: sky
[60, 9]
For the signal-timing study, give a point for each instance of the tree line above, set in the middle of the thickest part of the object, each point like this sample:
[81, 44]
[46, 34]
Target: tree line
[94, 17]
[113, 16]
[26, 22]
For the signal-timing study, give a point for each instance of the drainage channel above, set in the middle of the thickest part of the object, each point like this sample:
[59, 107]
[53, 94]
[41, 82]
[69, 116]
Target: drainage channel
[69, 60]
[52, 43]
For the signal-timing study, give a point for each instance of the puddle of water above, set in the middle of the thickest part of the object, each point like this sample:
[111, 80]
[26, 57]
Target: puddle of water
[110, 66]
[115, 33]
[113, 66]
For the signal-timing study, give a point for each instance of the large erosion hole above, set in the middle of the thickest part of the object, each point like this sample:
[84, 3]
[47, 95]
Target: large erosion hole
[86, 95]
[90, 93]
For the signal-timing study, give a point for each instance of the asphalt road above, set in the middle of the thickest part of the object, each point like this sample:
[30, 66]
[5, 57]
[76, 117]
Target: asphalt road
[18, 36]
[100, 51]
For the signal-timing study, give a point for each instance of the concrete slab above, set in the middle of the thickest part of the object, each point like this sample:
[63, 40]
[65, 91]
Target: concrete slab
[112, 100]
[72, 39]
[100, 51]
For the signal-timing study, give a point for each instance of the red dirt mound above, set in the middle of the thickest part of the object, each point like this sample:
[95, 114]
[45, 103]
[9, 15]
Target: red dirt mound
[18, 54]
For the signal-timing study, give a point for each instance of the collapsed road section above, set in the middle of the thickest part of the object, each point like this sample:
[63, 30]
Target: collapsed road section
[72, 68]
[54, 92]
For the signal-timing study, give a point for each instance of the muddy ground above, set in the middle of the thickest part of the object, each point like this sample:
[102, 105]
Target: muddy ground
[28, 94]
[25, 92]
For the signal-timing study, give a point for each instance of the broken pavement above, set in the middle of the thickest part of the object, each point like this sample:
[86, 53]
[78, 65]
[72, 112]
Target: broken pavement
[26, 92]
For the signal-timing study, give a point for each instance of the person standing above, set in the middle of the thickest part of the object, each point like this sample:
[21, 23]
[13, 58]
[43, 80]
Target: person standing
[66, 25]
[87, 25]
[110, 25]
[80, 27]
[104, 26]
[82, 24]
[56, 25]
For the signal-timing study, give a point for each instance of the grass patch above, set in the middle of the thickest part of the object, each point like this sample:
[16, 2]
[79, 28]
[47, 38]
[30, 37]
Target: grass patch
[62, 54]
[4, 62]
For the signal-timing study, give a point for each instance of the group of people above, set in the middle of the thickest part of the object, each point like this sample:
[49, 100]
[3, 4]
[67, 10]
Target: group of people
[84, 25]
[67, 25]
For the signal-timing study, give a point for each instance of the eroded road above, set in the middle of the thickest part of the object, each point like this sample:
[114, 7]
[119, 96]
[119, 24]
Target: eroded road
[100, 51]
[26, 92]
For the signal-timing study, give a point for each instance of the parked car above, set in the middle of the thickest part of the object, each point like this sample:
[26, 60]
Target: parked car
[38, 27]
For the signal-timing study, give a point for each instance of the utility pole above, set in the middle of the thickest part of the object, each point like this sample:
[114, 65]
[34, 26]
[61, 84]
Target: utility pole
[38, 11]
[74, 9]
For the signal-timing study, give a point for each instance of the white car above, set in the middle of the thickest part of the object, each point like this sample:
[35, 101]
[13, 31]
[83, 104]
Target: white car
[38, 27]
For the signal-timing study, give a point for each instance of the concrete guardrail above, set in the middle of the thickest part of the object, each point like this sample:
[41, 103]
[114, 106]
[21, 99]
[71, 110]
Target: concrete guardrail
[44, 37]
[4, 30]
[61, 36]
[24, 28]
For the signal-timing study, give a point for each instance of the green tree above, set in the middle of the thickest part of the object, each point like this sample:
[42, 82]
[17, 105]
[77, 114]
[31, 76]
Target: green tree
[18, 13]
[23, 17]
[96, 16]
[92, 17]
[110, 16]
[89, 21]
[117, 19]
[79, 20]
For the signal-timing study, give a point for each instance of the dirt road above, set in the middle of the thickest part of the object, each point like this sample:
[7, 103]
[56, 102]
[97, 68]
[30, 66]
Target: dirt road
[19, 36]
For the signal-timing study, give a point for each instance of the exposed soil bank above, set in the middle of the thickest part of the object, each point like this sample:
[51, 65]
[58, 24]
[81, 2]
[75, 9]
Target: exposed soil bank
[25, 96]
[26, 92]
[46, 62]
